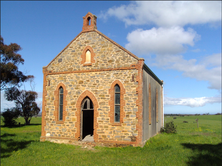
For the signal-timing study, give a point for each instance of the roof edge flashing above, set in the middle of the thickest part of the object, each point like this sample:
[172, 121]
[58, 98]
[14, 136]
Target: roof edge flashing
[149, 71]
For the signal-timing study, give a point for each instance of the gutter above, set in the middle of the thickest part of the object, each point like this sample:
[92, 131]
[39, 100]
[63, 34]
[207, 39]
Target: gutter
[149, 71]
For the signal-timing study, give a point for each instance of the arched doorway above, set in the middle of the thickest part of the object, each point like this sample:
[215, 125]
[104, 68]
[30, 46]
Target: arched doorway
[87, 119]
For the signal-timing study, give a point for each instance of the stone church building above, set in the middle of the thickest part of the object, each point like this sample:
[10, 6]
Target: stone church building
[97, 89]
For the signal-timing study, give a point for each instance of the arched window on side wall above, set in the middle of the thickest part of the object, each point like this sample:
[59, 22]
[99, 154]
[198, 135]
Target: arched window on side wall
[117, 103]
[60, 103]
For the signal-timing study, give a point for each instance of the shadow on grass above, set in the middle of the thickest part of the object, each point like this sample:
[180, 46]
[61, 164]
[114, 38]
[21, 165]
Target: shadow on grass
[206, 154]
[9, 144]
[22, 125]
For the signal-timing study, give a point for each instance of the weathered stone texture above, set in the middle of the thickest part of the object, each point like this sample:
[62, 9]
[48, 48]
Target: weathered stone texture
[98, 83]
[95, 77]
[107, 55]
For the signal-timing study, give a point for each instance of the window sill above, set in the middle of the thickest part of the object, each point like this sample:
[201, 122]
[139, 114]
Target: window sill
[87, 64]
[116, 124]
[59, 122]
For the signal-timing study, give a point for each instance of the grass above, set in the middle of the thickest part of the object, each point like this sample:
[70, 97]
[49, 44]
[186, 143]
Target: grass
[190, 146]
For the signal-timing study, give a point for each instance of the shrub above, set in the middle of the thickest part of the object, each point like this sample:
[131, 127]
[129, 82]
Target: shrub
[169, 128]
[174, 117]
[10, 116]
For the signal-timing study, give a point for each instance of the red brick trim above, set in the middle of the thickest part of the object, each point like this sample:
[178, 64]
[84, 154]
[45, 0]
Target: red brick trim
[86, 26]
[78, 113]
[150, 104]
[43, 133]
[139, 102]
[83, 56]
[111, 102]
[133, 66]
[56, 103]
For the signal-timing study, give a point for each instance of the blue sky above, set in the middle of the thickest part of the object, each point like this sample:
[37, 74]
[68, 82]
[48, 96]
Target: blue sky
[180, 42]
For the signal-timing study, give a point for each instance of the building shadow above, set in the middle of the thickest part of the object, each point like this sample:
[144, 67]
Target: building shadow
[205, 154]
[10, 145]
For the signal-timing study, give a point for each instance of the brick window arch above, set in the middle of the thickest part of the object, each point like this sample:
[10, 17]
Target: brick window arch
[88, 56]
[116, 103]
[60, 103]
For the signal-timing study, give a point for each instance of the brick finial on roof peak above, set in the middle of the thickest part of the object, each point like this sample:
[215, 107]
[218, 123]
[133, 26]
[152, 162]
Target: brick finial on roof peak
[89, 22]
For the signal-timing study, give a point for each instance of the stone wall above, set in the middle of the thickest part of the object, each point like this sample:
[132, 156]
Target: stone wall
[107, 54]
[98, 83]
[110, 64]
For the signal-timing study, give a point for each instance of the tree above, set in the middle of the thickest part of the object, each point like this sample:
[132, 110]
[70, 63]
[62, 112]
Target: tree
[24, 101]
[10, 116]
[10, 59]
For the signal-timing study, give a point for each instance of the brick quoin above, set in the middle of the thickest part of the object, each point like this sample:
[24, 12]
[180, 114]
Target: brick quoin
[139, 102]
[43, 103]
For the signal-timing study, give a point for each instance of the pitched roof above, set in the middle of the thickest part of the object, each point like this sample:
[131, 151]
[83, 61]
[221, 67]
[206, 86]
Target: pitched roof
[95, 30]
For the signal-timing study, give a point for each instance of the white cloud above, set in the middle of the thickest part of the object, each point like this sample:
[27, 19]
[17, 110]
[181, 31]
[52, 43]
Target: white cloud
[161, 40]
[213, 60]
[170, 13]
[192, 102]
[209, 69]
[196, 50]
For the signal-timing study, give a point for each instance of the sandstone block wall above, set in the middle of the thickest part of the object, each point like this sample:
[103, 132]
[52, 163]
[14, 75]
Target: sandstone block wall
[107, 55]
[99, 84]
[110, 63]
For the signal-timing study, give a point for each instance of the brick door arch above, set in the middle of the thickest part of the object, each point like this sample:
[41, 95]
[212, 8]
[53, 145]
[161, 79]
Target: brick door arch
[78, 114]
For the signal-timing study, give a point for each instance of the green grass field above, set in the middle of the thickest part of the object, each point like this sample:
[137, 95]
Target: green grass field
[190, 146]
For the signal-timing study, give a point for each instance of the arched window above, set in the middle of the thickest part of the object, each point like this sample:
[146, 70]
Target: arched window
[117, 103]
[88, 56]
[60, 103]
